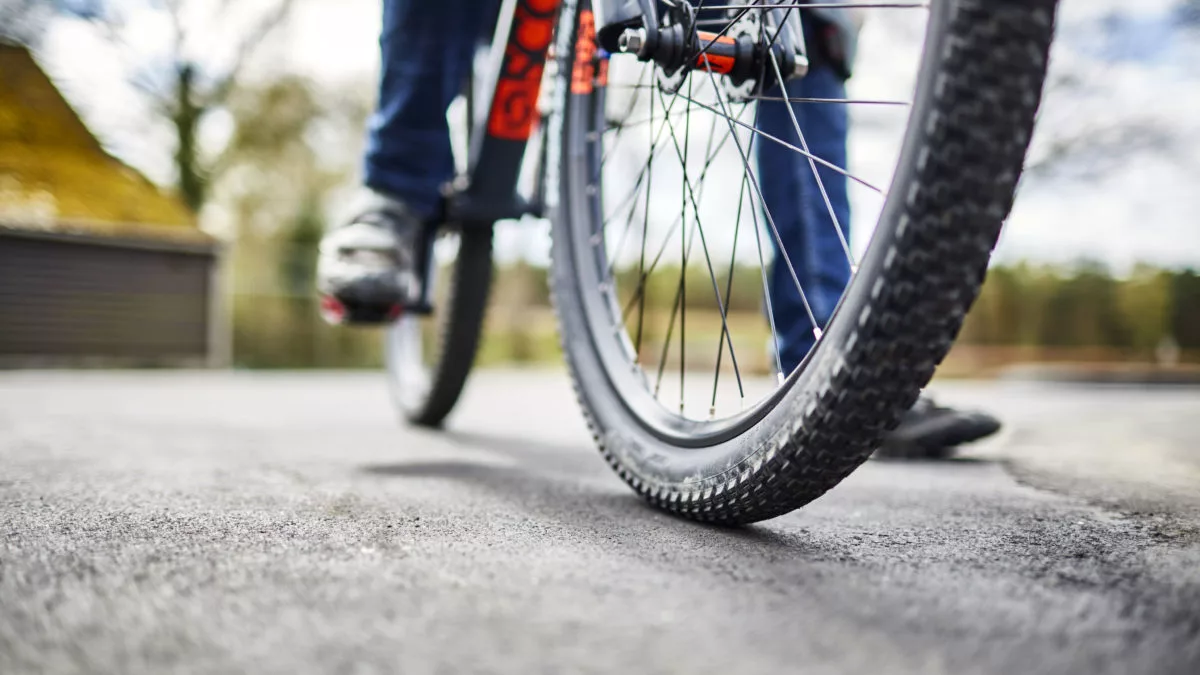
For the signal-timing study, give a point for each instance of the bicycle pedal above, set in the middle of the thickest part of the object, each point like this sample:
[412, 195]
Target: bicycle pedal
[332, 310]
[346, 313]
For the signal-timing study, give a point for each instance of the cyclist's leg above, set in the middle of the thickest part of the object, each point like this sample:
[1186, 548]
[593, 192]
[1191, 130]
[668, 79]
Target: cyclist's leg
[812, 244]
[791, 193]
[427, 52]
[366, 268]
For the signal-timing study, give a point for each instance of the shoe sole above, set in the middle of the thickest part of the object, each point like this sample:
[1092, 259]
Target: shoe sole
[371, 300]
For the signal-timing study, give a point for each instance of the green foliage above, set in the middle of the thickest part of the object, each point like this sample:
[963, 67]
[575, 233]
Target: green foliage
[1145, 302]
[279, 188]
[744, 294]
[1085, 306]
[299, 269]
[1184, 313]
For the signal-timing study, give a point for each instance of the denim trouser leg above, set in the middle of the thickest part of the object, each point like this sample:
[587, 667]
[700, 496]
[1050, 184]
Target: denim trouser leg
[427, 51]
[791, 194]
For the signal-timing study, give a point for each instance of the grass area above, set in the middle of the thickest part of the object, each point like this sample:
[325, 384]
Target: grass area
[531, 336]
[283, 332]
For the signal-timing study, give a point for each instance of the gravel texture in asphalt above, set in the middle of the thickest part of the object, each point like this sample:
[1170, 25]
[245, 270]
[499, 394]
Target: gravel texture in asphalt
[281, 523]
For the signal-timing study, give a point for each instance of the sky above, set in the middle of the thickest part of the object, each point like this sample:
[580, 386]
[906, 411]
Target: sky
[1138, 66]
[1140, 70]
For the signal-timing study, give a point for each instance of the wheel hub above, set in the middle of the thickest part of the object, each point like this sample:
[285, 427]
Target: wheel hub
[740, 52]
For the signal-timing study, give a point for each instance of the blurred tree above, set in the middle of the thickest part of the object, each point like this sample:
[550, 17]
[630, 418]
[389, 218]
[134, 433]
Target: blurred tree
[279, 177]
[997, 318]
[1085, 306]
[190, 81]
[1185, 309]
[299, 267]
[1085, 129]
[1082, 311]
[1144, 300]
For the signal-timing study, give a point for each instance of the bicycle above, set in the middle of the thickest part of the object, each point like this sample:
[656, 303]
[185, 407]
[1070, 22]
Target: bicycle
[595, 66]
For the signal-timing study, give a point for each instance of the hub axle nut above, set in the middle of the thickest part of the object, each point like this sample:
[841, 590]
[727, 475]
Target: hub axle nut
[800, 66]
[632, 41]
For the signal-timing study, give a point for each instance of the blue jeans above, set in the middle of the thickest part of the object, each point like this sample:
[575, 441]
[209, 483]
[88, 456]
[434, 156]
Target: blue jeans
[792, 195]
[427, 48]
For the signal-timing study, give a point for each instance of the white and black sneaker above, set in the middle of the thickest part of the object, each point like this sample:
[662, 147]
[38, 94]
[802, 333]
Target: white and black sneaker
[366, 268]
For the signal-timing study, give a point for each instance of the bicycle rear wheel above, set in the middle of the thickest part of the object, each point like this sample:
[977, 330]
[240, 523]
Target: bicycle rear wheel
[728, 453]
[428, 358]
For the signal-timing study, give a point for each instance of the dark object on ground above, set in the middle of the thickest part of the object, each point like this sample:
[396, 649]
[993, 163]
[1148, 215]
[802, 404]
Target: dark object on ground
[930, 431]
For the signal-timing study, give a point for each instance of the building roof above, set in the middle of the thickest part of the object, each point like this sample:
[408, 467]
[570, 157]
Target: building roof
[55, 175]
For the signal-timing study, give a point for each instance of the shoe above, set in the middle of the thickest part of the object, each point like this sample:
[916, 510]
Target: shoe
[930, 431]
[366, 268]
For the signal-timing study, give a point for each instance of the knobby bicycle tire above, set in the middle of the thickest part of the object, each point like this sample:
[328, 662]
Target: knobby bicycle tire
[979, 87]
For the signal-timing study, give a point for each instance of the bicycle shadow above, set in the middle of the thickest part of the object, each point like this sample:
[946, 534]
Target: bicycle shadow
[571, 484]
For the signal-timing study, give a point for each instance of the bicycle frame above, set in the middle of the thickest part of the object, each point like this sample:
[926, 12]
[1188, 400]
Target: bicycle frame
[488, 192]
[526, 28]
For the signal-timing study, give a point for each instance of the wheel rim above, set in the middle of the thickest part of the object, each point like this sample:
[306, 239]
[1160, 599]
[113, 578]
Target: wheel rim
[408, 373]
[602, 258]
[412, 343]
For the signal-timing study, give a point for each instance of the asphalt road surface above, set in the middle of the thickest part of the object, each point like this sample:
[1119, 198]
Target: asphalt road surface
[284, 523]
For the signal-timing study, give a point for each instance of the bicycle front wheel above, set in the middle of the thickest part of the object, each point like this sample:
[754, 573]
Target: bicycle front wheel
[660, 224]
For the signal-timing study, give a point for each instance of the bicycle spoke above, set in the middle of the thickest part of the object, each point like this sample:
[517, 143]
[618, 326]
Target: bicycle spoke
[632, 196]
[662, 361]
[845, 101]
[687, 120]
[766, 284]
[687, 188]
[628, 111]
[629, 125]
[785, 144]
[770, 219]
[711, 155]
[837, 226]
[737, 224]
[645, 228]
[762, 264]
[660, 118]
